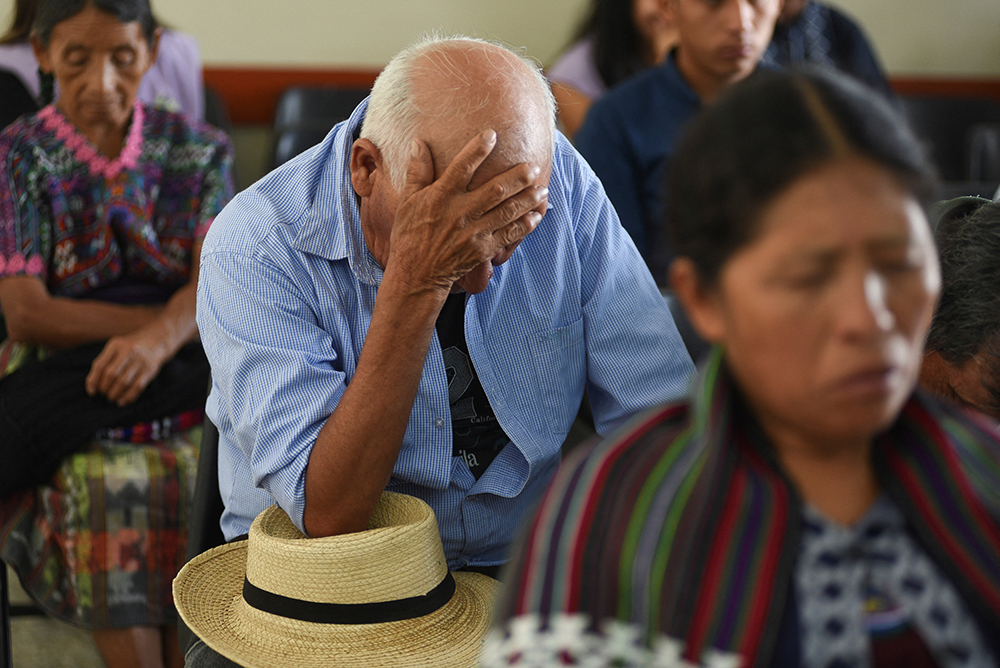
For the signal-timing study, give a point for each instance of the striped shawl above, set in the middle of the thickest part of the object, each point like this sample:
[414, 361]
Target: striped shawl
[683, 525]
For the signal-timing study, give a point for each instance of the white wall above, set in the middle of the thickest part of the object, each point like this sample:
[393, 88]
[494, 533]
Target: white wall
[932, 37]
[913, 37]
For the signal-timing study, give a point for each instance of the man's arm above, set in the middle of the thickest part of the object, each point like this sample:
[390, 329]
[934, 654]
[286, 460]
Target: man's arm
[635, 356]
[441, 231]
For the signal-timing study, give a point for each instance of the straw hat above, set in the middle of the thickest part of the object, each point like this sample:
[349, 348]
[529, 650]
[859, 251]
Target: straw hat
[381, 597]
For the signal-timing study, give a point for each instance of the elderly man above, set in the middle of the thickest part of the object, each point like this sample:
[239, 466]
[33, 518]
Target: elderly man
[417, 304]
[630, 133]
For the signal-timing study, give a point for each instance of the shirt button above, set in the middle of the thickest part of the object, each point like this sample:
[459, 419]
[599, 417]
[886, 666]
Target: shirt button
[439, 423]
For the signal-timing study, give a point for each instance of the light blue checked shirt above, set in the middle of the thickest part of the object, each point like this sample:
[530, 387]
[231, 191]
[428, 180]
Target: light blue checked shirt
[285, 298]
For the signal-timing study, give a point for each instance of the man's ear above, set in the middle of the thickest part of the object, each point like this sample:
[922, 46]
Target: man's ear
[41, 54]
[366, 161]
[700, 303]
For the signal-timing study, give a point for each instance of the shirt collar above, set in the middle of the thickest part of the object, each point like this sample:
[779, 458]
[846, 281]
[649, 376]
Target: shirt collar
[331, 227]
[677, 81]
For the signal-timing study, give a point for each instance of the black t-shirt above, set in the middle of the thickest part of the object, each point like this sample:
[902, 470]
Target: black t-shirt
[477, 435]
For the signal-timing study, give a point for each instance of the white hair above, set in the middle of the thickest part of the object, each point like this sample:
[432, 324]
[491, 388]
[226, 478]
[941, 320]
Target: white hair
[393, 116]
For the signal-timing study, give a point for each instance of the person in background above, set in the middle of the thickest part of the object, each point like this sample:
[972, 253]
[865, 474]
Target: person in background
[629, 135]
[814, 33]
[617, 39]
[174, 81]
[104, 202]
[962, 360]
[805, 507]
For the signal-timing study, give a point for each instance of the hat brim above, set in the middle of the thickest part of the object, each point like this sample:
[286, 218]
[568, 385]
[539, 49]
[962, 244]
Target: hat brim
[208, 597]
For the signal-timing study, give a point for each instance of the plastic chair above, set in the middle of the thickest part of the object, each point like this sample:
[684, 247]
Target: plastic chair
[306, 114]
[944, 123]
[984, 152]
[204, 531]
[216, 111]
[290, 143]
[15, 100]
[318, 107]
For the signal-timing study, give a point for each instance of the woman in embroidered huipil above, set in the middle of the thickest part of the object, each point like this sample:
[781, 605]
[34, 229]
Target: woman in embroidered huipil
[805, 507]
[104, 203]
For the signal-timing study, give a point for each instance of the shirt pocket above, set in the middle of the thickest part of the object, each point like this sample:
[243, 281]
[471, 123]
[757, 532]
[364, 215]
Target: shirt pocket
[559, 357]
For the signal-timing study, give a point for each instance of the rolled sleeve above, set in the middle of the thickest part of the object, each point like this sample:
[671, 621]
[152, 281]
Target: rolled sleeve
[274, 371]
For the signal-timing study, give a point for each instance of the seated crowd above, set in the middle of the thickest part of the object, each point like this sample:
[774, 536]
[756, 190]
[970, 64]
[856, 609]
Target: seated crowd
[395, 332]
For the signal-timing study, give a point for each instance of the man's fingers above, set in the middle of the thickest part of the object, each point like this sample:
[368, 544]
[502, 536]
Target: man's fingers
[512, 209]
[419, 169]
[459, 173]
[502, 188]
[514, 232]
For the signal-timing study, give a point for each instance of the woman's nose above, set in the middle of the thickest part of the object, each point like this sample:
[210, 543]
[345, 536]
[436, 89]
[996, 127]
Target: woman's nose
[102, 76]
[866, 311]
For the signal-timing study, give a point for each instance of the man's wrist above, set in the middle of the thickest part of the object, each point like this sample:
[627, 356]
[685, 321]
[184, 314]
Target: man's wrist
[416, 295]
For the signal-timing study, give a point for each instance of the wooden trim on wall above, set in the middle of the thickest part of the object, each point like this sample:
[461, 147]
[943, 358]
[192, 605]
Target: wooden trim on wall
[948, 86]
[252, 93]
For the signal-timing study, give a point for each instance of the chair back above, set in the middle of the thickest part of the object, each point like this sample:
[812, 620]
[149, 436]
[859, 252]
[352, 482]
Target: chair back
[984, 145]
[305, 115]
[204, 531]
[945, 124]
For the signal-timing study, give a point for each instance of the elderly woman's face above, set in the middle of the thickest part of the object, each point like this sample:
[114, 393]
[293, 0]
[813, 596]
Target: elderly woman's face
[98, 63]
[824, 314]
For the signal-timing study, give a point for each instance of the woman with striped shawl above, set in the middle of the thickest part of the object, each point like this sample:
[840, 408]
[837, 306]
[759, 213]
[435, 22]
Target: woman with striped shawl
[805, 507]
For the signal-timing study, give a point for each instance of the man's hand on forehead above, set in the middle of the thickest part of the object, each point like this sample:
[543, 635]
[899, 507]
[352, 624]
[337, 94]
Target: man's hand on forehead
[443, 229]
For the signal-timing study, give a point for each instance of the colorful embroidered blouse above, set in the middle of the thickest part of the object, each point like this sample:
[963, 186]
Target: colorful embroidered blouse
[82, 222]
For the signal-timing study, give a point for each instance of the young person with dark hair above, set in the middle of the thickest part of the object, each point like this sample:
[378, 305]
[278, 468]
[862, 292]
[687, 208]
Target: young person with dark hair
[104, 203]
[631, 133]
[962, 361]
[617, 39]
[804, 507]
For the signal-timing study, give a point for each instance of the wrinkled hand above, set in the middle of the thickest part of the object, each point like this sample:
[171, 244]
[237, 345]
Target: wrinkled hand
[443, 230]
[126, 365]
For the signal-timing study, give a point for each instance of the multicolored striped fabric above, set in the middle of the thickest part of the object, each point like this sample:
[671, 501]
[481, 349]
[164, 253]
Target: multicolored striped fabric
[101, 542]
[683, 526]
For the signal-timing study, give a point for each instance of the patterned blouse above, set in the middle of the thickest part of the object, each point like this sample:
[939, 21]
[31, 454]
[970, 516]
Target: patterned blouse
[82, 222]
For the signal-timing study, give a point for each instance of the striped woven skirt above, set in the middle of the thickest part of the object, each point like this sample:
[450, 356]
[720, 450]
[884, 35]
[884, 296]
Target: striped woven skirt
[101, 542]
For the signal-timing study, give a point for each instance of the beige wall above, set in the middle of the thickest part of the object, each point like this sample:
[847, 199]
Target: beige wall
[913, 37]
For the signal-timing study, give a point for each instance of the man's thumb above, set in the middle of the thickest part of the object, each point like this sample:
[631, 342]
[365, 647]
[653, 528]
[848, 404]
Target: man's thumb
[419, 168]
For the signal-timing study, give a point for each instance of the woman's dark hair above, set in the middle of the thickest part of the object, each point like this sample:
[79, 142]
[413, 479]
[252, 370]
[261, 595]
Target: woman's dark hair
[49, 13]
[967, 320]
[619, 49]
[20, 27]
[763, 134]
